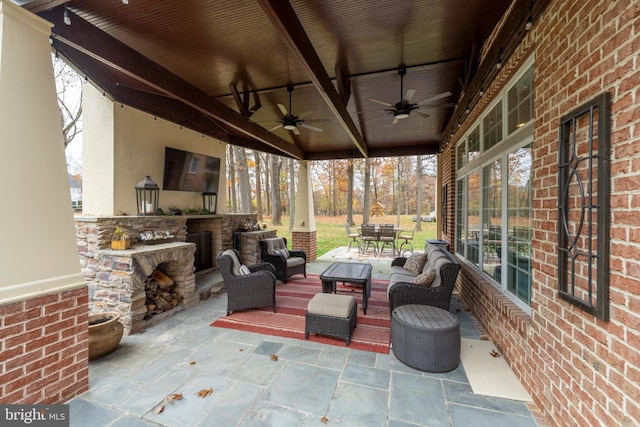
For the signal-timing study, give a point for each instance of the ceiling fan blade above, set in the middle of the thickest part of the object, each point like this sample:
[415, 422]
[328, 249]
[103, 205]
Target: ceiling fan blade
[295, 131]
[409, 95]
[420, 113]
[435, 97]
[307, 113]
[276, 127]
[395, 121]
[283, 109]
[304, 125]
[377, 101]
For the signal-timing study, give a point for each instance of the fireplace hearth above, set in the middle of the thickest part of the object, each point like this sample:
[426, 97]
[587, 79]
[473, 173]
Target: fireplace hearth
[120, 282]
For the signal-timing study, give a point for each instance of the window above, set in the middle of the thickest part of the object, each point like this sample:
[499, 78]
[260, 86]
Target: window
[519, 223]
[520, 102]
[474, 144]
[492, 127]
[492, 218]
[493, 192]
[461, 155]
[193, 165]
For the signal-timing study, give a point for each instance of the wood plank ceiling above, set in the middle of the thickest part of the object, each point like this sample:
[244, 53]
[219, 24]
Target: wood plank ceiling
[222, 67]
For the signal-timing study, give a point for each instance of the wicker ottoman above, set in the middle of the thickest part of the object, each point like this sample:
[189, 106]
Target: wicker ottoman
[331, 314]
[425, 338]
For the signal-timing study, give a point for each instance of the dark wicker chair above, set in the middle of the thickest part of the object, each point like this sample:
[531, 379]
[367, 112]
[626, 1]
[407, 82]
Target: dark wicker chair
[295, 263]
[402, 293]
[257, 289]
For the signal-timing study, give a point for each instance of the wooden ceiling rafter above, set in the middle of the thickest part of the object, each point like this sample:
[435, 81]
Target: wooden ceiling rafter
[99, 46]
[284, 19]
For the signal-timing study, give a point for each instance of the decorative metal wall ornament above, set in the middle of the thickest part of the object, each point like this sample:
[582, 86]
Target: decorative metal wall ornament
[583, 206]
[444, 208]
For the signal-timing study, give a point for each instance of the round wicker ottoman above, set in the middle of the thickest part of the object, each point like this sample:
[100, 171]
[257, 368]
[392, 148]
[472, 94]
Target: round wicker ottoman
[425, 338]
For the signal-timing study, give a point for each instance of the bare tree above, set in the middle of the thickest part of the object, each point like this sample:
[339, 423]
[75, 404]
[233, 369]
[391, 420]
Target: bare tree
[292, 193]
[69, 93]
[232, 178]
[419, 193]
[350, 192]
[256, 156]
[276, 203]
[366, 213]
[244, 187]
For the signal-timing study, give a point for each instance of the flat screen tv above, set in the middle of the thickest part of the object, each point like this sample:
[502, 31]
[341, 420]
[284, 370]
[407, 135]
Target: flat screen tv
[186, 171]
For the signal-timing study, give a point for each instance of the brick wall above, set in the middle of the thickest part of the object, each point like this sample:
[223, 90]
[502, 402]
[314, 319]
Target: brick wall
[306, 241]
[44, 348]
[579, 370]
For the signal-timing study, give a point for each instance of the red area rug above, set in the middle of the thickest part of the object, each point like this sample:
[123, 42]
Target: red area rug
[371, 333]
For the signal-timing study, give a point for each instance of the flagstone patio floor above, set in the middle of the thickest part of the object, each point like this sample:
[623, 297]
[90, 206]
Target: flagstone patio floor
[259, 380]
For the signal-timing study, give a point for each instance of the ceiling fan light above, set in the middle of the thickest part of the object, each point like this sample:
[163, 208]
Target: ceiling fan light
[289, 126]
[401, 115]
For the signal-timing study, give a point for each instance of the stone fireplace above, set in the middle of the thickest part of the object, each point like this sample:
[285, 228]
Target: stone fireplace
[119, 284]
[116, 278]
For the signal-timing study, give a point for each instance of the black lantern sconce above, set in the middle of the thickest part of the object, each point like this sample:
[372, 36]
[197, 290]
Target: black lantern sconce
[147, 195]
[210, 202]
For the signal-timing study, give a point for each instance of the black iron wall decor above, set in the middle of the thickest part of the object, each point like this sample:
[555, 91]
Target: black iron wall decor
[583, 206]
[445, 205]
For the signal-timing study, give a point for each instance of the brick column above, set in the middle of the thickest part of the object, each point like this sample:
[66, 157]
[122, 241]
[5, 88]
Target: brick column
[305, 240]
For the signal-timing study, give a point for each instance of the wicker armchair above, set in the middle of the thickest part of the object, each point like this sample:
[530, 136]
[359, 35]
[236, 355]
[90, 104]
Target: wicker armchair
[287, 262]
[257, 289]
[402, 293]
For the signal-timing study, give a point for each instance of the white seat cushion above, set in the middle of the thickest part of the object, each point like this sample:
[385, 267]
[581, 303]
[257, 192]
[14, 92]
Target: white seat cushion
[331, 305]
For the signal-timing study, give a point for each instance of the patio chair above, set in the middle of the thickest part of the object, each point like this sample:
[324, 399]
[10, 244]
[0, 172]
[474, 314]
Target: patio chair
[254, 289]
[287, 262]
[408, 242]
[387, 237]
[369, 236]
[355, 238]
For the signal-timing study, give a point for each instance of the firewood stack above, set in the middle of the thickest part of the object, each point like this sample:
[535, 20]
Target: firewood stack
[162, 294]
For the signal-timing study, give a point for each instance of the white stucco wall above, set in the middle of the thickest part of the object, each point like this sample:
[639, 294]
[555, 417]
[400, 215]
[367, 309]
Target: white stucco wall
[121, 145]
[39, 252]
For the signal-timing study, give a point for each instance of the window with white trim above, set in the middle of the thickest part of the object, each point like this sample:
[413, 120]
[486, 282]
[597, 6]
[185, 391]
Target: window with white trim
[493, 191]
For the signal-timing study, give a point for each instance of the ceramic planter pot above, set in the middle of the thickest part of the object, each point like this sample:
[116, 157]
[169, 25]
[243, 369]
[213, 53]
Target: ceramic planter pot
[105, 333]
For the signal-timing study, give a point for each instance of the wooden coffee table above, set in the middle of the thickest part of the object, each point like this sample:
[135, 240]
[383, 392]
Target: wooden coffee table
[347, 272]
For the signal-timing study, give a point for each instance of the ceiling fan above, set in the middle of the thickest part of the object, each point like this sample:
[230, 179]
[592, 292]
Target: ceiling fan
[291, 122]
[403, 108]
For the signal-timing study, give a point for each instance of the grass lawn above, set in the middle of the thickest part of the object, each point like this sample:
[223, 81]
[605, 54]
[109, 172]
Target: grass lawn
[331, 233]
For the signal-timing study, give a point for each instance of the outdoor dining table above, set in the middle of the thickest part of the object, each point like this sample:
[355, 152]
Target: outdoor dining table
[377, 235]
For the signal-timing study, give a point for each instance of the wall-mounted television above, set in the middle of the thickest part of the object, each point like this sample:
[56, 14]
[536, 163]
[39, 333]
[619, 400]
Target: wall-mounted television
[186, 171]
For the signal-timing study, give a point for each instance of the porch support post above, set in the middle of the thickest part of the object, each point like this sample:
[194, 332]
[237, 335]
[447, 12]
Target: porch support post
[304, 223]
[439, 195]
[41, 283]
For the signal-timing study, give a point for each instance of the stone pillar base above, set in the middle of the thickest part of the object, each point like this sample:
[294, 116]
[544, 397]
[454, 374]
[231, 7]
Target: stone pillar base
[305, 240]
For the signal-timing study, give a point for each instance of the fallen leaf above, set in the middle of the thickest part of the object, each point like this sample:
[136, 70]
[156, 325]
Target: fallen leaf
[160, 409]
[174, 396]
[193, 362]
[485, 338]
[204, 392]
[494, 353]
[324, 420]
[274, 357]
[241, 350]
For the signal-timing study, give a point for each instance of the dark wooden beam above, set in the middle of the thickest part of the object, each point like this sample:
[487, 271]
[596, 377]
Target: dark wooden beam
[285, 20]
[157, 104]
[110, 52]
[506, 41]
[398, 151]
